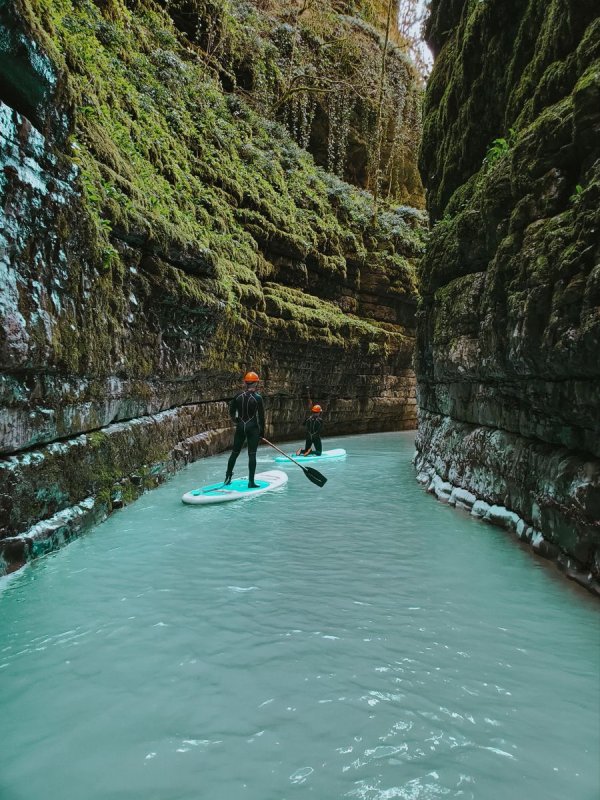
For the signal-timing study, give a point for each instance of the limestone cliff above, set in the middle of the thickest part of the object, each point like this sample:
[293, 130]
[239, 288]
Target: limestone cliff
[508, 351]
[161, 233]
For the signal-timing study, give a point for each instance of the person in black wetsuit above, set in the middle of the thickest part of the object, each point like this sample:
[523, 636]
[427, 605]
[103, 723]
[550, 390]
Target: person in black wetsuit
[248, 412]
[313, 425]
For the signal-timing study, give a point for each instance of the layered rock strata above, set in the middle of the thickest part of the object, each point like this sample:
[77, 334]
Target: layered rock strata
[508, 348]
[158, 238]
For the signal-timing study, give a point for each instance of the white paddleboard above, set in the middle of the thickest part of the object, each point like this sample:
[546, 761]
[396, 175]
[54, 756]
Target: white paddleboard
[237, 489]
[325, 456]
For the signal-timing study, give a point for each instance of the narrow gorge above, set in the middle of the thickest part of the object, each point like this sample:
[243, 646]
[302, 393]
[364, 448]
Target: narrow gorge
[193, 188]
[184, 198]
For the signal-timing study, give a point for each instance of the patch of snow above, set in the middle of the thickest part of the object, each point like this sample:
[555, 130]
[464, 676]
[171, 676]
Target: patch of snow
[462, 498]
[498, 515]
[480, 508]
[536, 539]
[442, 489]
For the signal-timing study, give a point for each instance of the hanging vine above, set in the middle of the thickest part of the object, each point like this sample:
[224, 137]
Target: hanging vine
[340, 108]
[378, 129]
[338, 83]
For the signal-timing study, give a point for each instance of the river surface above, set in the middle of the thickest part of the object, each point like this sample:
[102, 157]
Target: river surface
[356, 641]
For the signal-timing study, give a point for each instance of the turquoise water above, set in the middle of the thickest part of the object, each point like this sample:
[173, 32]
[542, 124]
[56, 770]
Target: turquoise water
[356, 641]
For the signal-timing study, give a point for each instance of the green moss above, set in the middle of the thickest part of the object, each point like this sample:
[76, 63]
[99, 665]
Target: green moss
[589, 80]
[97, 439]
[322, 320]
[547, 24]
[166, 158]
[498, 69]
[316, 70]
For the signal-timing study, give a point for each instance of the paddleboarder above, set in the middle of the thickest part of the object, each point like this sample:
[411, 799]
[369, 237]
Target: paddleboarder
[314, 426]
[247, 411]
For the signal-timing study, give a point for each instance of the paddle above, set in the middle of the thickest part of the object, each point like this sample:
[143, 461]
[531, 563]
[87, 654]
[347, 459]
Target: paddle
[313, 475]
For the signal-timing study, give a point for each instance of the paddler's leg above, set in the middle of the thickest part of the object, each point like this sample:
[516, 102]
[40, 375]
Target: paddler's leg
[307, 445]
[253, 435]
[238, 441]
[317, 444]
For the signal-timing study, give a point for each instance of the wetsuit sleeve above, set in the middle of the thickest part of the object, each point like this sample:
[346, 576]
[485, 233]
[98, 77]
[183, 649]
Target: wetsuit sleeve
[261, 415]
[317, 426]
[233, 408]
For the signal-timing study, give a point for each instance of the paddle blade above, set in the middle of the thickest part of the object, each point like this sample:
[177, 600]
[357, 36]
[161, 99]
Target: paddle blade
[315, 476]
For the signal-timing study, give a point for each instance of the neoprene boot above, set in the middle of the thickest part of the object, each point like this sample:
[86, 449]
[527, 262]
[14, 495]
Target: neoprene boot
[228, 478]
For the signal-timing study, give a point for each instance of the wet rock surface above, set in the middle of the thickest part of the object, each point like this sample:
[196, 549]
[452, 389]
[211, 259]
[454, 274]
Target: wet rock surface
[508, 348]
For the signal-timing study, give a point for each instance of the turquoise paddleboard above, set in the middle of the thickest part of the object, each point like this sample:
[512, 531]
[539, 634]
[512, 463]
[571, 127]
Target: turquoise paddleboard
[236, 490]
[326, 455]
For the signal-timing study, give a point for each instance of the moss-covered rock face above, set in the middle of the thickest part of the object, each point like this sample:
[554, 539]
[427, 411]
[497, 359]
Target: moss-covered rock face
[161, 233]
[509, 326]
[316, 68]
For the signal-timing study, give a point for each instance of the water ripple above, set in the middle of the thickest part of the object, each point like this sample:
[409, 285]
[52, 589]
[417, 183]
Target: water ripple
[360, 641]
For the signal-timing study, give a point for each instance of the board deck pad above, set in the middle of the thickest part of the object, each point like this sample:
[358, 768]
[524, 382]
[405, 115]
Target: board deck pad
[236, 490]
[238, 485]
[325, 456]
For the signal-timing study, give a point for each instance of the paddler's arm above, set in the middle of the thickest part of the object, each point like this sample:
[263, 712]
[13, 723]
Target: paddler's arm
[261, 414]
[233, 409]
[309, 399]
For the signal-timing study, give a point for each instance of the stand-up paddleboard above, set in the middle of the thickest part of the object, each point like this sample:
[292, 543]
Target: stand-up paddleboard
[326, 455]
[237, 489]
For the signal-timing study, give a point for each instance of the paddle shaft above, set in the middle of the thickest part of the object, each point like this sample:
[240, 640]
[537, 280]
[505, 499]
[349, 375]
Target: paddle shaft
[313, 475]
[274, 446]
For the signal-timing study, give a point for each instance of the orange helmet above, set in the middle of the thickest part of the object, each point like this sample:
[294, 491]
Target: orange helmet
[316, 408]
[251, 377]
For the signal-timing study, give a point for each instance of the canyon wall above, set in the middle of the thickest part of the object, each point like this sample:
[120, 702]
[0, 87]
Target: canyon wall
[161, 233]
[508, 347]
